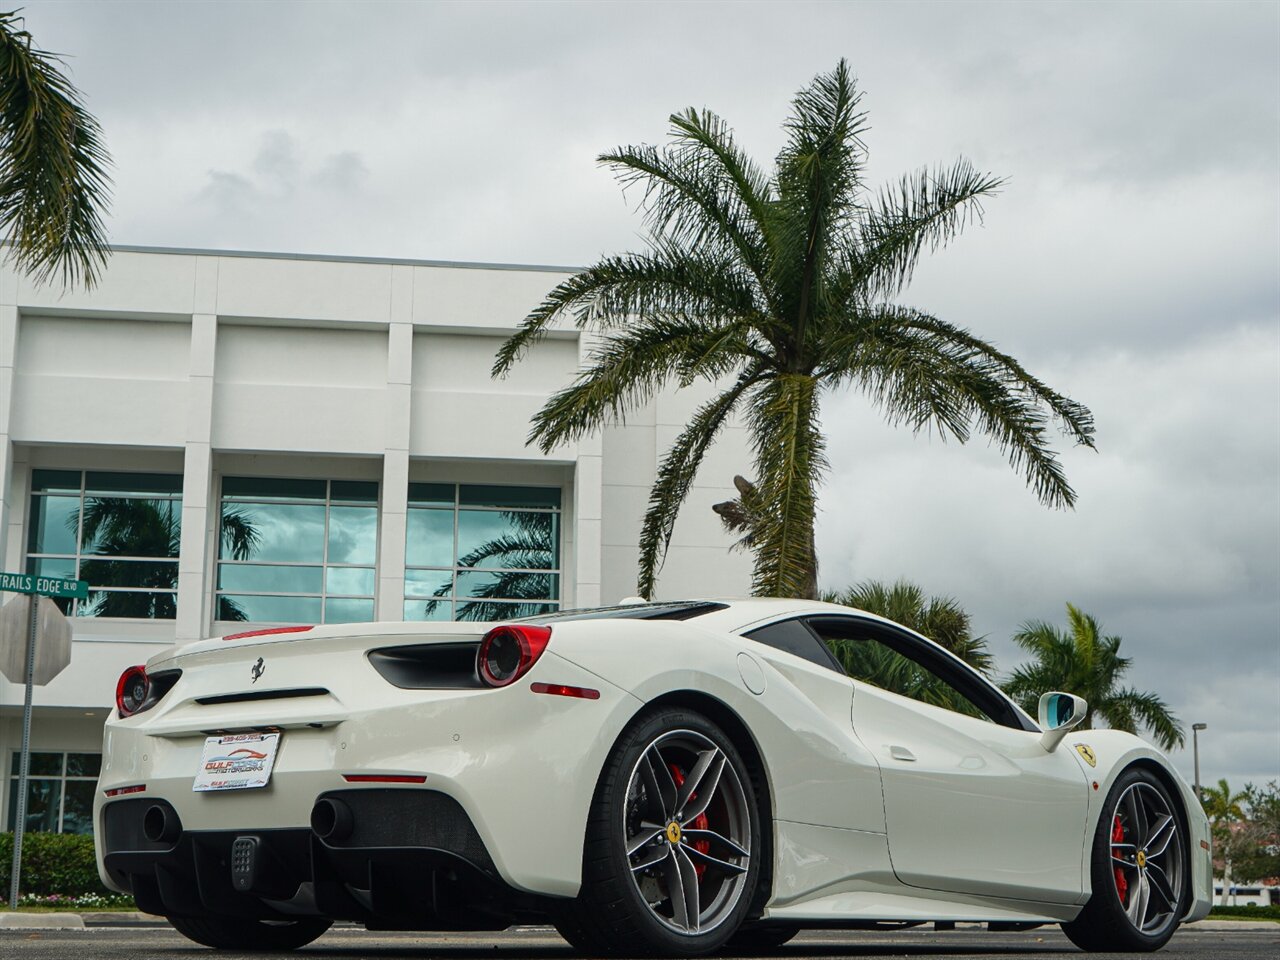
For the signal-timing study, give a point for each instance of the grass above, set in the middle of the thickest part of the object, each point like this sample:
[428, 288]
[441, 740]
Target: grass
[1245, 913]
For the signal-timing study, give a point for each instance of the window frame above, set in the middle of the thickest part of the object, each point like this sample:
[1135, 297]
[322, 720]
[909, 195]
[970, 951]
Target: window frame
[323, 596]
[453, 600]
[938, 661]
[61, 778]
[832, 662]
[30, 558]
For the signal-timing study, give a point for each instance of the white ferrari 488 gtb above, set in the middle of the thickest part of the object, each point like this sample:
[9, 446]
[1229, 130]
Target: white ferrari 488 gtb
[653, 779]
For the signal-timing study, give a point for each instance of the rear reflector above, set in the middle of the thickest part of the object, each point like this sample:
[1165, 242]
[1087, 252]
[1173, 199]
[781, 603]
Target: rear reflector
[121, 791]
[382, 778]
[267, 633]
[560, 690]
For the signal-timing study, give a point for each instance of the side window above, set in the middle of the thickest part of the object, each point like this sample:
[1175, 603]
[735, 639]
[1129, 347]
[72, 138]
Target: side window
[902, 664]
[794, 637]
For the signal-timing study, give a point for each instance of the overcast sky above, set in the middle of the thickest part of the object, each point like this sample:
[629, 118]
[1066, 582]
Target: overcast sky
[1133, 260]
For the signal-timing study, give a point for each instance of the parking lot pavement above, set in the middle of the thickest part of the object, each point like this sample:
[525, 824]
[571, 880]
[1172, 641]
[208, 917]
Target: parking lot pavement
[105, 943]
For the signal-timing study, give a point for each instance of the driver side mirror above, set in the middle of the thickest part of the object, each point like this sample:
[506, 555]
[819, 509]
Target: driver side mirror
[1059, 713]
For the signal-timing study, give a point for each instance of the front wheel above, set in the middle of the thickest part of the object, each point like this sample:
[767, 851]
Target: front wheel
[670, 862]
[1139, 870]
[237, 933]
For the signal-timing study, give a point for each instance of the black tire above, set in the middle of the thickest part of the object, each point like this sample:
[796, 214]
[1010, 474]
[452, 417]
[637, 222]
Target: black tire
[236, 933]
[752, 940]
[612, 915]
[1105, 923]
[576, 935]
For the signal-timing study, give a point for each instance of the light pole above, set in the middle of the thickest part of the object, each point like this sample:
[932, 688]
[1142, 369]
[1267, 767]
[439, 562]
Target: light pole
[1195, 749]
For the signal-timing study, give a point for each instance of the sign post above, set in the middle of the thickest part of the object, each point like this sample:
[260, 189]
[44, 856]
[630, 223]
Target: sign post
[48, 634]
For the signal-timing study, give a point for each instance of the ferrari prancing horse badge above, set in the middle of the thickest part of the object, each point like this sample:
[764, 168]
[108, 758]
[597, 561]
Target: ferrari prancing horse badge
[1086, 751]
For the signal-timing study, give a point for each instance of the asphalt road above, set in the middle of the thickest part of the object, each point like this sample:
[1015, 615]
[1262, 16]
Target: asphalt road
[161, 942]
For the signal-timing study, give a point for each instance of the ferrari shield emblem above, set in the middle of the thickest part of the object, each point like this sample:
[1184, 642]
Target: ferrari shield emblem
[1086, 751]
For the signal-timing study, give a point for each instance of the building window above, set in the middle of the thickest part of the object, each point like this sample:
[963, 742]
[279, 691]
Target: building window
[119, 531]
[297, 551]
[59, 791]
[477, 552]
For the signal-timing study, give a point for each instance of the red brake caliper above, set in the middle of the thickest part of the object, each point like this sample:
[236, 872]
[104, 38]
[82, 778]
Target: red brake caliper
[1122, 882]
[699, 822]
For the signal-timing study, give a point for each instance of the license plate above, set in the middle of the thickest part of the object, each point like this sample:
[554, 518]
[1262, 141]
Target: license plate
[241, 761]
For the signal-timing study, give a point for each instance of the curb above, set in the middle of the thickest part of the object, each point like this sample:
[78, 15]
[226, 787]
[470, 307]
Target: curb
[122, 918]
[41, 921]
[1271, 925]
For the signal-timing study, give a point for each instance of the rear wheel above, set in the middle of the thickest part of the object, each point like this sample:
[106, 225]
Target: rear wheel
[237, 933]
[668, 865]
[1139, 870]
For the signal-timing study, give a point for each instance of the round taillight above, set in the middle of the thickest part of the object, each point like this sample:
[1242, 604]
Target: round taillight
[132, 690]
[507, 652]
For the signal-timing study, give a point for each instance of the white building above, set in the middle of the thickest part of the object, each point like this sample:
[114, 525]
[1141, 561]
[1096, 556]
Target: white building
[218, 441]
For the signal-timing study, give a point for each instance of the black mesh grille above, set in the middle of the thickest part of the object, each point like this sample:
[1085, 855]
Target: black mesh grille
[411, 818]
[122, 823]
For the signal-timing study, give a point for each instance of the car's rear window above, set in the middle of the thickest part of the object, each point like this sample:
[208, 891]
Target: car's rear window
[685, 610]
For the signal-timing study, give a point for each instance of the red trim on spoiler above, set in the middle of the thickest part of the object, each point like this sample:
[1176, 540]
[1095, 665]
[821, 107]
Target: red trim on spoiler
[267, 633]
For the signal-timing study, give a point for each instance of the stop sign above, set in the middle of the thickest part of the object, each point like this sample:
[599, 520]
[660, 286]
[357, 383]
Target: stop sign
[53, 640]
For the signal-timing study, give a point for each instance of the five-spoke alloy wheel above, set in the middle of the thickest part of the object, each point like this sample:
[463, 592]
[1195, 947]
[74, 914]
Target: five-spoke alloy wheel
[1139, 869]
[671, 858]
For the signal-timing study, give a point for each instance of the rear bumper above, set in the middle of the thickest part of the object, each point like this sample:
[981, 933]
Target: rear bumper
[412, 859]
[521, 768]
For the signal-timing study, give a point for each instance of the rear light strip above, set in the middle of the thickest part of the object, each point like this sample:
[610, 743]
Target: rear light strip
[560, 690]
[267, 633]
[382, 778]
[121, 791]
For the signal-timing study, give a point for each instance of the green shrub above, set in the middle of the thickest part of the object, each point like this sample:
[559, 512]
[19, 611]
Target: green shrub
[61, 863]
[1253, 913]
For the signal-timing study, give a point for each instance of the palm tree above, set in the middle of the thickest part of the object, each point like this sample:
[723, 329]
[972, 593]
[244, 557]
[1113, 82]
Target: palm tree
[941, 619]
[1222, 806]
[53, 165]
[1083, 662]
[777, 289]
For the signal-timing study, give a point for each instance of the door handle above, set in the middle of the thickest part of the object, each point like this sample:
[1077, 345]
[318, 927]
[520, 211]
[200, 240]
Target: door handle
[901, 753]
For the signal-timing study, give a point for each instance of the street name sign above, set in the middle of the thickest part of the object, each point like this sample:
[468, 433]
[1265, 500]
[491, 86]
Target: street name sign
[45, 586]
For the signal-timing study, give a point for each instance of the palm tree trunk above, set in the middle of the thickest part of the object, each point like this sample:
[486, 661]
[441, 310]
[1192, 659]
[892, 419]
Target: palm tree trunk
[790, 461]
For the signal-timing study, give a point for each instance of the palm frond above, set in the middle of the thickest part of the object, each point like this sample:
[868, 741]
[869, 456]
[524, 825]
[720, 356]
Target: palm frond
[676, 474]
[629, 367]
[924, 373]
[700, 190]
[1154, 714]
[744, 515]
[923, 211]
[667, 281]
[941, 619]
[818, 175]
[53, 165]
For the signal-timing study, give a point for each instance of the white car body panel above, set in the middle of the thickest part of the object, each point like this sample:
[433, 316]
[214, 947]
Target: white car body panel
[943, 772]
[984, 825]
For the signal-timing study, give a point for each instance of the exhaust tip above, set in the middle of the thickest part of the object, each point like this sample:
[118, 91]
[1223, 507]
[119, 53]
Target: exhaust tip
[160, 824]
[332, 819]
